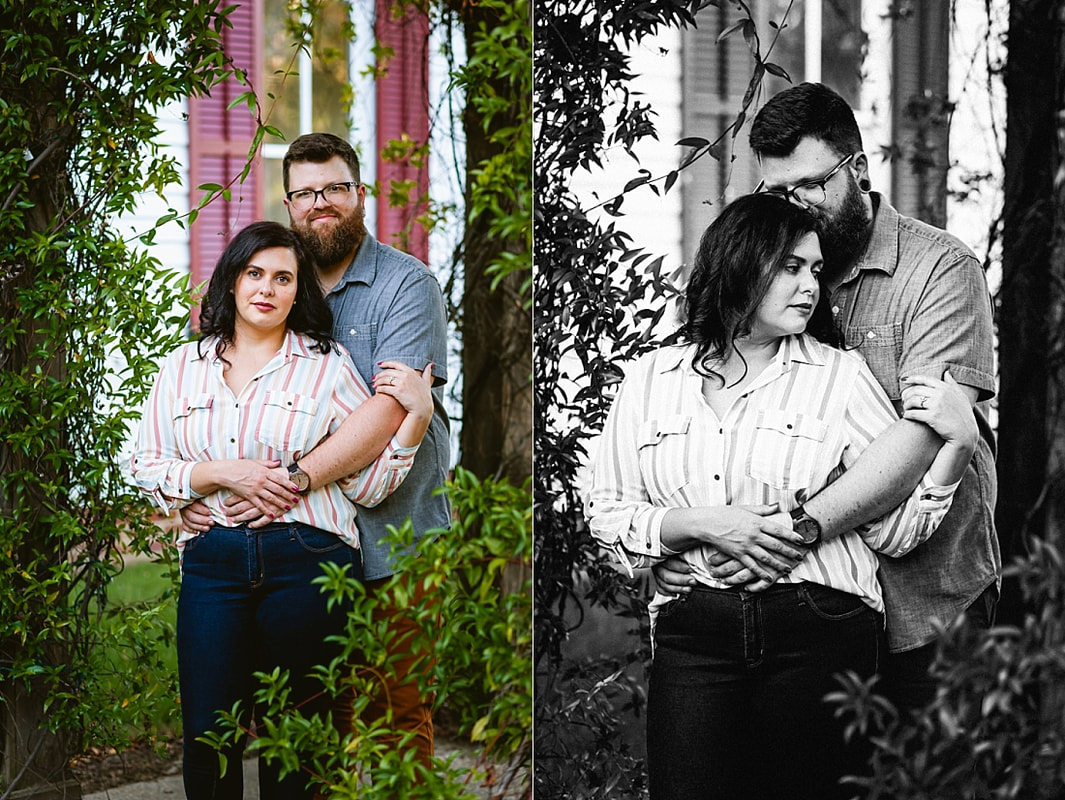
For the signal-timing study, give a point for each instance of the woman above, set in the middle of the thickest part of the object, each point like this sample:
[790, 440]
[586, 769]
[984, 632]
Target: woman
[756, 409]
[264, 384]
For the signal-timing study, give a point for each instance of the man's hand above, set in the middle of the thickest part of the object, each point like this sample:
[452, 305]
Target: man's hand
[197, 517]
[674, 575]
[239, 511]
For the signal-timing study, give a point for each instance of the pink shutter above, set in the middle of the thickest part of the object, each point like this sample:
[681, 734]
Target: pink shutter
[219, 141]
[403, 107]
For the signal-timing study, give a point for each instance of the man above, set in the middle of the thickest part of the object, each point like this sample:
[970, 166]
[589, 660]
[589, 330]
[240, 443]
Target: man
[914, 301]
[386, 306]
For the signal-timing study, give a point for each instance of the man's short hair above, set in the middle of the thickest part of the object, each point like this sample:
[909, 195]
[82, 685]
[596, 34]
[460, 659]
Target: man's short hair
[809, 109]
[319, 148]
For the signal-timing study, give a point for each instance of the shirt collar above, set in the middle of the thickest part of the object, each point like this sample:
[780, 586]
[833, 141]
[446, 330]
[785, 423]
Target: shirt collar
[363, 267]
[295, 345]
[801, 348]
[669, 358]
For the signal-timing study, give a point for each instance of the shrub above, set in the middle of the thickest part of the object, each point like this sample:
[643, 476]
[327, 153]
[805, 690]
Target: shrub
[480, 665]
[995, 728]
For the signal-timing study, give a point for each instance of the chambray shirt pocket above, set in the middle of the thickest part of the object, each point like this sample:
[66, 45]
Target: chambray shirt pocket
[193, 416]
[360, 340]
[786, 447]
[662, 444]
[881, 347]
[287, 421]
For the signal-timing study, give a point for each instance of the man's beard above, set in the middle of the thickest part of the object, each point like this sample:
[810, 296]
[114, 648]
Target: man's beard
[331, 246]
[844, 235]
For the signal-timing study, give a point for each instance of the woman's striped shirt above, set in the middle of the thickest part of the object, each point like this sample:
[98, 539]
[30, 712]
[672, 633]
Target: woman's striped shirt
[801, 423]
[299, 398]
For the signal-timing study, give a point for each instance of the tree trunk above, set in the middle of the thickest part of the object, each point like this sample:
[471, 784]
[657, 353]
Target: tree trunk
[1029, 403]
[34, 762]
[34, 757]
[1055, 502]
[496, 438]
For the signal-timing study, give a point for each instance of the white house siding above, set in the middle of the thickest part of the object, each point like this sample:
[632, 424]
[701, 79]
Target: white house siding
[654, 221]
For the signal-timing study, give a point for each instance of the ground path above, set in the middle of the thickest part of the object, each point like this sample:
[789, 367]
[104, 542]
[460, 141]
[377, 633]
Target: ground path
[169, 787]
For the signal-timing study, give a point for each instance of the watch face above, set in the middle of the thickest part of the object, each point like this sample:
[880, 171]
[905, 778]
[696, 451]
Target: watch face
[300, 478]
[807, 529]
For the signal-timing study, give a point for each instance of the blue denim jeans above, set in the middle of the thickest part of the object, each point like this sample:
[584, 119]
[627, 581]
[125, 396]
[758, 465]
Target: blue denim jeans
[735, 704]
[247, 603]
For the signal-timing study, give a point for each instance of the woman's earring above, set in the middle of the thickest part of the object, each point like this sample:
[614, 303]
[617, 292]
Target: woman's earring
[864, 186]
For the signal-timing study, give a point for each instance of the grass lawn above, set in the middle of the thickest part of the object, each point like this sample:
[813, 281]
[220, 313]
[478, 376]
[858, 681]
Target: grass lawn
[139, 582]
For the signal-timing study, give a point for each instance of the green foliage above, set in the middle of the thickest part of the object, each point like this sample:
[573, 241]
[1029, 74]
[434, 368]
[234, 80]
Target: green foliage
[479, 667]
[497, 82]
[994, 730]
[136, 663]
[84, 315]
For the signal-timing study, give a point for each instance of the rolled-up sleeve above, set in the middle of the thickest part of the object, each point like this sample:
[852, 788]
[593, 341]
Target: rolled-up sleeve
[620, 514]
[869, 412]
[951, 327]
[371, 485]
[911, 523]
[156, 467]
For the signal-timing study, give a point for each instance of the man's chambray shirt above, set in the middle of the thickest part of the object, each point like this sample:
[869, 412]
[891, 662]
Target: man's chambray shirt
[388, 307]
[917, 303]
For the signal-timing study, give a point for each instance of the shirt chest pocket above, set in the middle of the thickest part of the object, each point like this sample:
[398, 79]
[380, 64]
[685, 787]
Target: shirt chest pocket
[361, 343]
[287, 422]
[663, 445]
[192, 424]
[881, 347]
[785, 449]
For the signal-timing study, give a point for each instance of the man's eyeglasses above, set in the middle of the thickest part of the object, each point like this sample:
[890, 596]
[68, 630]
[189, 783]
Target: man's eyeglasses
[808, 193]
[302, 199]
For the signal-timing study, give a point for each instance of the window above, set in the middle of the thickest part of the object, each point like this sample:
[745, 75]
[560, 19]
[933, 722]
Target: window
[311, 89]
[824, 42]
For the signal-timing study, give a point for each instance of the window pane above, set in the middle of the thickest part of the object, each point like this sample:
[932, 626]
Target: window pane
[841, 52]
[842, 43]
[331, 89]
[274, 206]
[280, 56]
[789, 51]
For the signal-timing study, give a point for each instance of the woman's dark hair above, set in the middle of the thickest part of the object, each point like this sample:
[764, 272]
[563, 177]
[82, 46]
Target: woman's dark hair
[738, 255]
[310, 313]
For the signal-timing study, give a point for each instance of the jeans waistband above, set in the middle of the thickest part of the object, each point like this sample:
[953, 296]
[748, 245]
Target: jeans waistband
[777, 589]
[271, 527]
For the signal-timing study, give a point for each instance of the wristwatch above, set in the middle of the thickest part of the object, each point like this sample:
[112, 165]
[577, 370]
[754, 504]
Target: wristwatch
[300, 478]
[806, 526]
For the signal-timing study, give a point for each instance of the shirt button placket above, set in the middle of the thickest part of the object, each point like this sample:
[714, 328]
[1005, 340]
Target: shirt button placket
[233, 440]
[719, 471]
